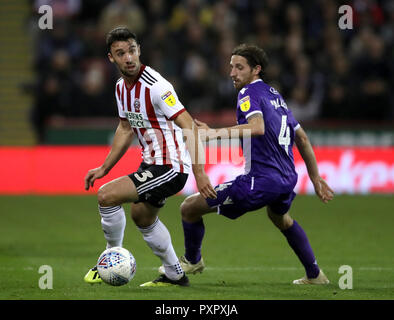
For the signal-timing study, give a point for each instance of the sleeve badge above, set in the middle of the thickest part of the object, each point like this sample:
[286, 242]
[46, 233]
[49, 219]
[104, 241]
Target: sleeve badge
[169, 98]
[244, 104]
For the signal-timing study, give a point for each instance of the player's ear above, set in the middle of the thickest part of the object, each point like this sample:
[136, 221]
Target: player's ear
[257, 69]
[110, 57]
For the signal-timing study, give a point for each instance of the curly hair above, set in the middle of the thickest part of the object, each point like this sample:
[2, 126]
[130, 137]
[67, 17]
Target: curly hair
[253, 54]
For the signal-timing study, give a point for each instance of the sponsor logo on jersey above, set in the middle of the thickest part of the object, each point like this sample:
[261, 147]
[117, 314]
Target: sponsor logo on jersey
[136, 119]
[169, 98]
[244, 104]
[273, 91]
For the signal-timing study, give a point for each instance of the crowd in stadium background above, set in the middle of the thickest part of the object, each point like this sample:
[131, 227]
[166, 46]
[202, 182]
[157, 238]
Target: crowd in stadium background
[323, 72]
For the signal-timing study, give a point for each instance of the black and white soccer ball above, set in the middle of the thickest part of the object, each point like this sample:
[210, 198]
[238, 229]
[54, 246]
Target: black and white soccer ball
[116, 266]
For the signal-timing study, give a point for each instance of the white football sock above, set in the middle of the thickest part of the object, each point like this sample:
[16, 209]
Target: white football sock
[159, 240]
[113, 221]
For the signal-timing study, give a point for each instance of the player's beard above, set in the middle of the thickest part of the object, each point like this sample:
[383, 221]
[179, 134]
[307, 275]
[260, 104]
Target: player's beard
[130, 74]
[127, 73]
[238, 85]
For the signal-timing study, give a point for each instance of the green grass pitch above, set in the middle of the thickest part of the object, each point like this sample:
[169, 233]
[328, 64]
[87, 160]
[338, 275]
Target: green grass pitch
[246, 259]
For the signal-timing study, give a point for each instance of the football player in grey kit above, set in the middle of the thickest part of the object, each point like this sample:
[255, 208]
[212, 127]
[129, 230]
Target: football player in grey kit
[269, 178]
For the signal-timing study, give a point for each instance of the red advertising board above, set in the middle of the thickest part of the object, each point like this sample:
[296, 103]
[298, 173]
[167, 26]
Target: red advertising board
[61, 170]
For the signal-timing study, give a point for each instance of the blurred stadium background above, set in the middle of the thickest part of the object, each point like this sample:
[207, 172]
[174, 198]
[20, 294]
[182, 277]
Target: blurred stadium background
[57, 86]
[58, 115]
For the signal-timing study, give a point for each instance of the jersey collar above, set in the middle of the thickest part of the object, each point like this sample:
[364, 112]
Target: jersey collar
[257, 80]
[142, 68]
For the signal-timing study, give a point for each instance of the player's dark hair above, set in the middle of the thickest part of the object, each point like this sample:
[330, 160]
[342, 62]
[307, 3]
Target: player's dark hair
[253, 54]
[119, 34]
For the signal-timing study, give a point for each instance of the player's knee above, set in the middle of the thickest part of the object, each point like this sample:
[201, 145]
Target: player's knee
[184, 210]
[188, 210]
[105, 198]
[282, 222]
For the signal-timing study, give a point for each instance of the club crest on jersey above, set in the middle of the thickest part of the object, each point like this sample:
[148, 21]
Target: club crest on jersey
[244, 104]
[169, 98]
[137, 105]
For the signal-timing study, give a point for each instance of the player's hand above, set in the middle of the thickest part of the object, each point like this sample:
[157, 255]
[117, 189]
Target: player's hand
[204, 186]
[323, 191]
[92, 175]
[206, 133]
[201, 125]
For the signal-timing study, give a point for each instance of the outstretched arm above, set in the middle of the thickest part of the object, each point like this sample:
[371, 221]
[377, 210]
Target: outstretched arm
[323, 191]
[254, 127]
[122, 140]
[197, 153]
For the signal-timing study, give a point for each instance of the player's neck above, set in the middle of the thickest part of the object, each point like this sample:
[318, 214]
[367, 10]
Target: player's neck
[130, 80]
[255, 79]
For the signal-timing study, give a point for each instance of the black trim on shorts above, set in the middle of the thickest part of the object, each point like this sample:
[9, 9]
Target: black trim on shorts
[155, 183]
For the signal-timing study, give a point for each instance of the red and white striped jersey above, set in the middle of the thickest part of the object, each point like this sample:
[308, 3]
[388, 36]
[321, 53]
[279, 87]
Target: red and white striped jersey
[151, 105]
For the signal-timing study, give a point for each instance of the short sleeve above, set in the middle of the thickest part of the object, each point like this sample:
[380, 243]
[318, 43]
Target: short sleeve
[292, 121]
[249, 103]
[165, 98]
[118, 90]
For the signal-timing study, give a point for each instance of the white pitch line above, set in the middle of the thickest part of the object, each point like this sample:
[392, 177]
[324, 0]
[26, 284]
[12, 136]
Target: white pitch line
[239, 269]
[262, 268]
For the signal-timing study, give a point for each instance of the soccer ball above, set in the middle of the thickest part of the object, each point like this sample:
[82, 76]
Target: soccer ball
[116, 266]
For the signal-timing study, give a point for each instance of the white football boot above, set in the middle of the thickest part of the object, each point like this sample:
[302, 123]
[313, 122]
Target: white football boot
[187, 266]
[320, 279]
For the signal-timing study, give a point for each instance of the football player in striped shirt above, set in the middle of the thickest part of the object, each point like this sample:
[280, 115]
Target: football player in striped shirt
[149, 109]
[269, 131]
